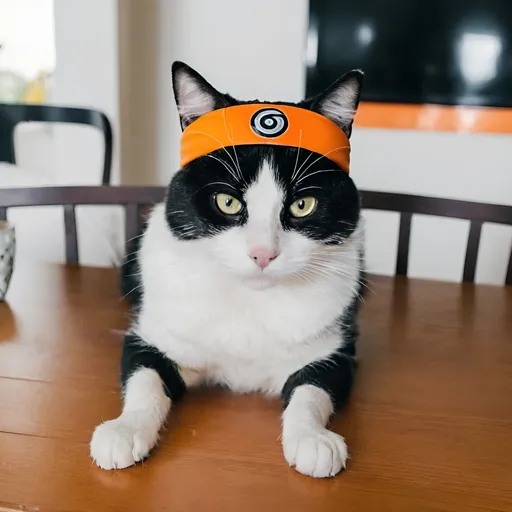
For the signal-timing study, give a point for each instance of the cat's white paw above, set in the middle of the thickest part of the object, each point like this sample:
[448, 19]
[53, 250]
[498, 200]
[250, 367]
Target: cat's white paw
[118, 443]
[319, 453]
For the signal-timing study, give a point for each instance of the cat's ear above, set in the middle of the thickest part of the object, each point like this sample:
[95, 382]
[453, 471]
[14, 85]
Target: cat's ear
[339, 102]
[194, 95]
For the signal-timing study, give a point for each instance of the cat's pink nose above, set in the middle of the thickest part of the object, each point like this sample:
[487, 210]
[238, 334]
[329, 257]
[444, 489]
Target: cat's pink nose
[262, 256]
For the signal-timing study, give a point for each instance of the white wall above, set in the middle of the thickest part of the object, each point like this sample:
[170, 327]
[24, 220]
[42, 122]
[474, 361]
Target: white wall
[249, 49]
[87, 75]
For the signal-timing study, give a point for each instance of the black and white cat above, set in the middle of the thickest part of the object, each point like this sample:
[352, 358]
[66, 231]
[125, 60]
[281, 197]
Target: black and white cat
[250, 277]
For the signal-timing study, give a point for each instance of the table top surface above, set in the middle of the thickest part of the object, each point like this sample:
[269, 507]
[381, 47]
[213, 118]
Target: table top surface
[429, 425]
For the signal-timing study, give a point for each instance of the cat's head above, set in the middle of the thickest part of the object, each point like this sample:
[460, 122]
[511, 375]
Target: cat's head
[264, 212]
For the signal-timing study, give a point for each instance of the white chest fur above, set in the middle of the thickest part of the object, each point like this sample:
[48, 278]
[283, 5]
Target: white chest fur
[203, 318]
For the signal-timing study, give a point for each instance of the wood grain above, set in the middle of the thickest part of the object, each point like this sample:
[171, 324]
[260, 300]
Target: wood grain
[429, 425]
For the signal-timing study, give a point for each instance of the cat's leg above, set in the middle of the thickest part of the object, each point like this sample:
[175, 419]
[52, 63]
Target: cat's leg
[311, 396]
[151, 382]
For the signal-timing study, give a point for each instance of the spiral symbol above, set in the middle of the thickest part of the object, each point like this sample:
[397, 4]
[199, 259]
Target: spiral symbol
[269, 122]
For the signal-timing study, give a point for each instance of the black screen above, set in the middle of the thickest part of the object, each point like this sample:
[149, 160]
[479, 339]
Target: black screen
[453, 52]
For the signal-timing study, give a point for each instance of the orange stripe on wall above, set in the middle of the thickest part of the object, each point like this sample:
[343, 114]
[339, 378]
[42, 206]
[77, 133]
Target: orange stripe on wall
[434, 118]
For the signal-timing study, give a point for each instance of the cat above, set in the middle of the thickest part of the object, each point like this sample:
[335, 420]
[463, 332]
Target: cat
[248, 276]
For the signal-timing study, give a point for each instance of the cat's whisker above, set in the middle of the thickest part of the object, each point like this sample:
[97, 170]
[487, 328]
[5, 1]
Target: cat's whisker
[304, 275]
[320, 258]
[316, 272]
[302, 165]
[301, 176]
[134, 237]
[215, 183]
[304, 177]
[218, 142]
[312, 187]
[335, 249]
[230, 169]
[188, 230]
[230, 137]
[131, 260]
[334, 263]
[131, 291]
[329, 286]
[297, 159]
[310, 277]
[331, 272]
[332, 255]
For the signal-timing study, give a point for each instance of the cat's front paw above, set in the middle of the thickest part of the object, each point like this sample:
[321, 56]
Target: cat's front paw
[319, 453]
[118, 444]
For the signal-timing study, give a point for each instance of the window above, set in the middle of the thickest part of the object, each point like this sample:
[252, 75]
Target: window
[27, 51]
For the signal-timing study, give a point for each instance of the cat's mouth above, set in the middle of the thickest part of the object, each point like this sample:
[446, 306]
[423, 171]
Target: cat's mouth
[268, 278]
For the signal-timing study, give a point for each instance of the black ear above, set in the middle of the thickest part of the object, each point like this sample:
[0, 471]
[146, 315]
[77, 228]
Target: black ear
[340, 101]
[194, 95]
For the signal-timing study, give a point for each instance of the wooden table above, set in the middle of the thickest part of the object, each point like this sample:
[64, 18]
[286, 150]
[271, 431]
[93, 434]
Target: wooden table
[429, 425]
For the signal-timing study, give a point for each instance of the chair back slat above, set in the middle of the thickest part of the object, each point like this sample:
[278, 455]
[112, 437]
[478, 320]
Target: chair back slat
[404, 237]
[508, 278]
[132, 223]
[71, 235]
[475, 231]
[409, 205]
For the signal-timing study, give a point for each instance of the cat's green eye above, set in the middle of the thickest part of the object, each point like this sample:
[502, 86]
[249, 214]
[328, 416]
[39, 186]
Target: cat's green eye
[228, 204]
[303, 207]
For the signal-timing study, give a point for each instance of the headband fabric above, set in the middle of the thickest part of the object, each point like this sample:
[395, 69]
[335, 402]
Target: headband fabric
[263, 123]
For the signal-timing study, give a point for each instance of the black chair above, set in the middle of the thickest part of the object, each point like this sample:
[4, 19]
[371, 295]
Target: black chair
[409, 205]
[135, 201]
[13, 114]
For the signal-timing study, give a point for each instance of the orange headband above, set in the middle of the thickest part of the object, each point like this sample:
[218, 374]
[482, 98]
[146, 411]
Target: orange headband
[278, 125]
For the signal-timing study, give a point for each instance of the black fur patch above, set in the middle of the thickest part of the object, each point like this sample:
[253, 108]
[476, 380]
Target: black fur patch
[334, 375]
[137, 354]
[348, 321]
